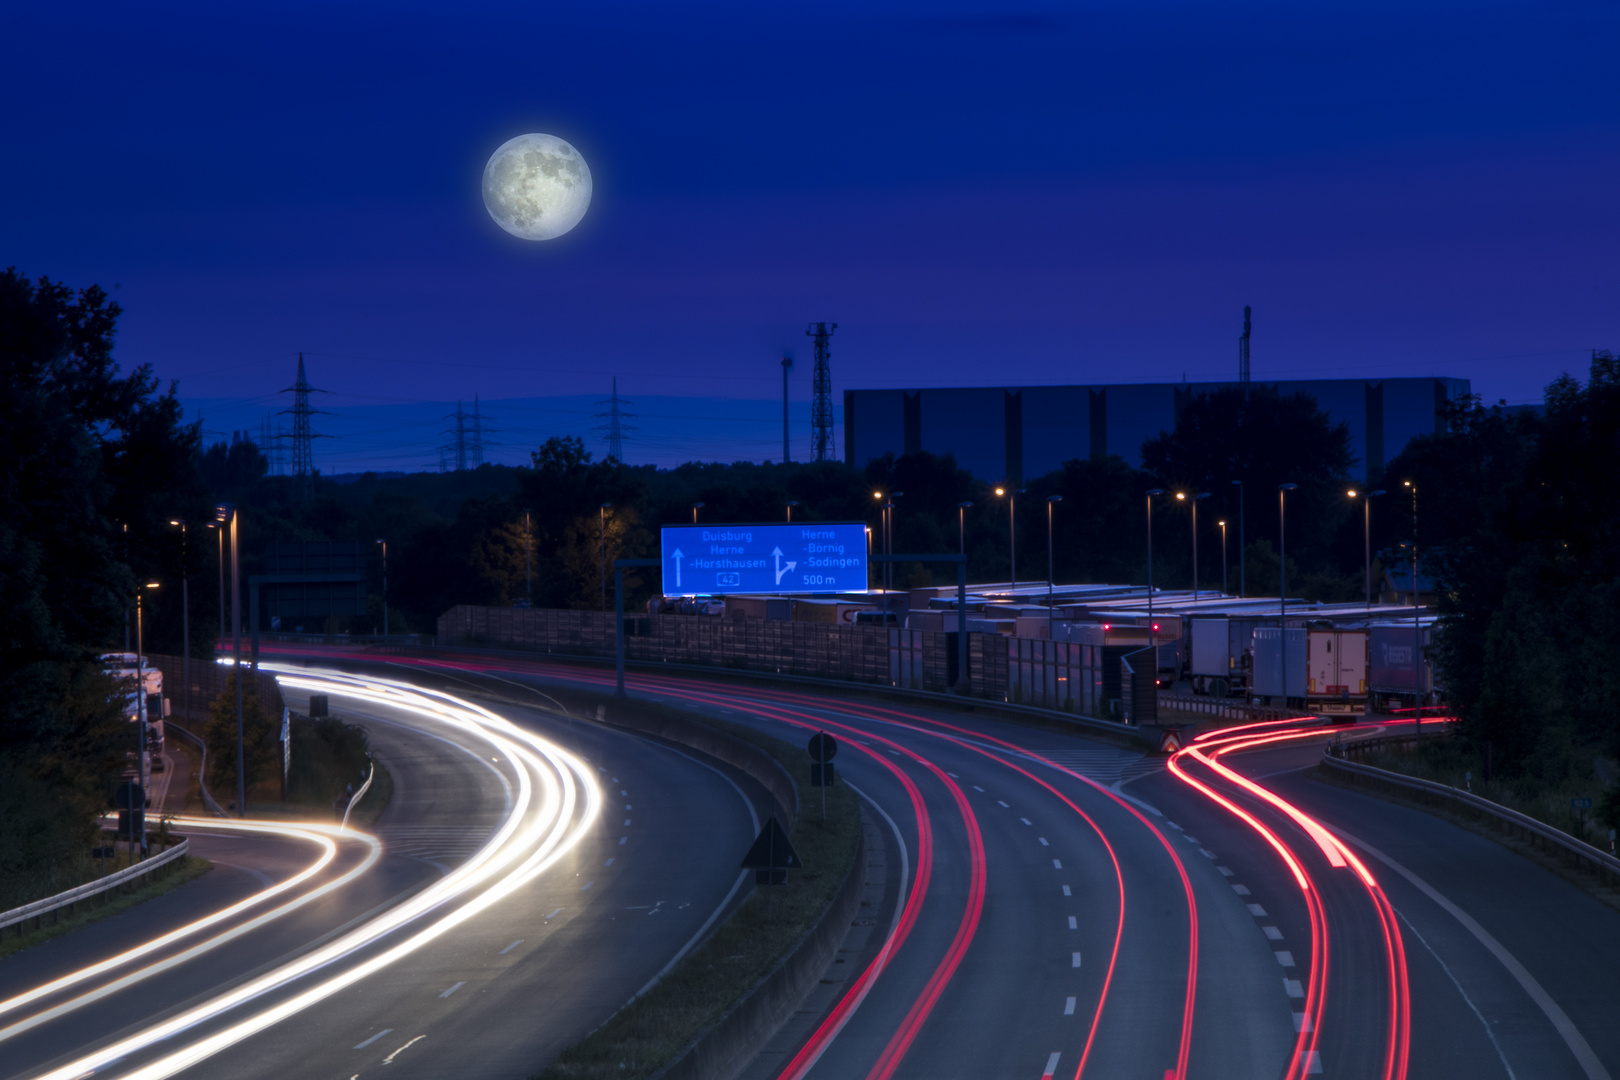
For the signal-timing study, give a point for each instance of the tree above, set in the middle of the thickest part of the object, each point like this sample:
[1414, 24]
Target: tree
[260, 752]
[1263, 439]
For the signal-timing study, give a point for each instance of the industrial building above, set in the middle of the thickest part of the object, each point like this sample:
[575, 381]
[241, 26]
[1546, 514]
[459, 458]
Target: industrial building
[1010, 433]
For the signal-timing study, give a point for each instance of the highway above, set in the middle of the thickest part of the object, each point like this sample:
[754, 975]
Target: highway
[517, 893]
[1042, 904]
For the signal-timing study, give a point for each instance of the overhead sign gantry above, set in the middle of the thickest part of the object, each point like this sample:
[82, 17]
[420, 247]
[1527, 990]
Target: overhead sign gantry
[716, 560]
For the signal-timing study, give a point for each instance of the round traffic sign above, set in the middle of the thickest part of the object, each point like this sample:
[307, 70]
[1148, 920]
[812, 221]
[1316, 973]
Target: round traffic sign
[823, 748]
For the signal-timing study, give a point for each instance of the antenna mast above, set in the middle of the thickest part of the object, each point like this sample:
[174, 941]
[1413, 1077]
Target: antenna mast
[821, 411]
[1243, 352]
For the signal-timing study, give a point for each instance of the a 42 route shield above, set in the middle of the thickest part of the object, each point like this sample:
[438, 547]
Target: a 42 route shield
[718, 559]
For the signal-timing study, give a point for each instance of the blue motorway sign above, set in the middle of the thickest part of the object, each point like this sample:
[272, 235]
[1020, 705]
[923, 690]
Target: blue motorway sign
[717, 559]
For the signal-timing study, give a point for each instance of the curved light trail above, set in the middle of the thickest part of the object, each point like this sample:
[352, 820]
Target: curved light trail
[556, 803]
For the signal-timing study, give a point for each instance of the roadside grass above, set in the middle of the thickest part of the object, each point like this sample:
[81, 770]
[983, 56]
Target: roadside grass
[1448, 761]
[645, 1035]
[95, 909]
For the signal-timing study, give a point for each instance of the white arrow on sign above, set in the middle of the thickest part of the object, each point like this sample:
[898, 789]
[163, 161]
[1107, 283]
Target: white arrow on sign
[677, 556]
[780, 569]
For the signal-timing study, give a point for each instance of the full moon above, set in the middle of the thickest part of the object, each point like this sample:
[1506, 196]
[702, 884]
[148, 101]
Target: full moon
[537, 187]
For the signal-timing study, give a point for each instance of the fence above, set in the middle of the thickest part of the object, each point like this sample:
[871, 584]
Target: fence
[1058, 675]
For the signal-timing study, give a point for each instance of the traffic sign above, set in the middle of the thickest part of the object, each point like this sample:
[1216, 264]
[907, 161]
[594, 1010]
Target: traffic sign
[1580, 804]
[719, 559]
[823, 747]
[771, 850]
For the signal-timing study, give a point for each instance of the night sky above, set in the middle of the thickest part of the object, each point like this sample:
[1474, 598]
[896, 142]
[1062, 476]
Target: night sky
[1075, 193]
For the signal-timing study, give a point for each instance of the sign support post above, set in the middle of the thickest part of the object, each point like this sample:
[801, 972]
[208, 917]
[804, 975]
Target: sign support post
[619, 566]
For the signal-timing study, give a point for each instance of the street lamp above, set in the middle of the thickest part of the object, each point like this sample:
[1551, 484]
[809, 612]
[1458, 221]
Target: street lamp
[1417, 628]
[384, 544]
[1012, 532]
[1282, 579]
[1242, 573]
[695, 508]
[1366, 498]
[961, 524]
[143, 767]
[1153, 637]
[601, 545]
[227, 513]
[528, 561]
[1194, 501]
[220, 531]
[1050, 624]
[185, 613]
[1222, 524]
[791, 503]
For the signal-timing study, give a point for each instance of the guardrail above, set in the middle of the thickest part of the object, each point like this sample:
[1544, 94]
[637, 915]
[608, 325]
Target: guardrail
[1222, 709]
[202, 770]
[53, 905]
[1537, 833]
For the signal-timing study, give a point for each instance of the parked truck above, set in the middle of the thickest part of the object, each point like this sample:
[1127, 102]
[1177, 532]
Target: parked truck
[1336, 670]
[1268, 661]
[1401, 674]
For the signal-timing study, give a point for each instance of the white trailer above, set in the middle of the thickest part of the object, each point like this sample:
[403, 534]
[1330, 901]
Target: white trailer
[1336, 675]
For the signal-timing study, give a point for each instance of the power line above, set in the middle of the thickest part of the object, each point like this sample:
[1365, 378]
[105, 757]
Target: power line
[615, 426]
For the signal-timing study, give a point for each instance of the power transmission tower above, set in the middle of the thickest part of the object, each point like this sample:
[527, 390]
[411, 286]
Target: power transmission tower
[475, 446]
[615, 428]
[456, 451]
[821, 410]
[1243, 352]
[303, 458]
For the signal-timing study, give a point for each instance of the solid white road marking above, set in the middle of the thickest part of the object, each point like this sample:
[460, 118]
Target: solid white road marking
[510, 947]
[374, 1038]
[1051, 1064]
[1068, 1006]
[1241, 890]
[1256, 910]
[1285, 958]
[1483, 1022]
[1074, 959]
[1272, 932]
[1293, 989]
[454, 988]
[1566, 1027]
[1066, 891]
[1073, 925]
[389, 1060]
[1057, 865]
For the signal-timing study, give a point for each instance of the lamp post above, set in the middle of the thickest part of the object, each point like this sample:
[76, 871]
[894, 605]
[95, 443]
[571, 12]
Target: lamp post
[528, 560]
[1282, 580]
[1417, 628]
[601, 545]
[791, 503]
[384, 545]
[143, 767]
[1183, 496]
[227, 513]
[1050, 617]
[220, 530]
[695, 508]
[1366, 498]
[1222, 524]
[1012, 532]
[961, 525]
[185, 613]
[1242, 573]
[882, 539]
[1153, 636]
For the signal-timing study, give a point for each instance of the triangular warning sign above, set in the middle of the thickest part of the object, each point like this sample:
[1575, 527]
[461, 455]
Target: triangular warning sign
[771, 851]
[1169, 743]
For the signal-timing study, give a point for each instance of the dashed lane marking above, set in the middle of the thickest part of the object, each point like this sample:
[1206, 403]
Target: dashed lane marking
[510, 947]
[1293, 988]
[1285, 958]
[1241, 890]
[1224, 871]
[1068, 1006]
[454, 988]
[554, 914]
[374, 1038]
[1256, 910]
[1057, 864]
[1066, 891]
[1026, 821]
[1074, 959]
[1051, 1064]
[1042, 839]
[1074, 924]
[1004, 806]
[1272, 932]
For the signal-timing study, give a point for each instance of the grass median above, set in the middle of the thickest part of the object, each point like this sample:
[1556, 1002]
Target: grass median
[645, 1035]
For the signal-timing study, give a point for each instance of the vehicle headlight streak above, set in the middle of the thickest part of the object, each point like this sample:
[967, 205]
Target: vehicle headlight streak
[530, 840]
[323, 835]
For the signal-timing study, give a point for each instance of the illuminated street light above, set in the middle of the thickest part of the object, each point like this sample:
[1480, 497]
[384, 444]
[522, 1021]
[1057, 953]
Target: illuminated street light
[1366, 498]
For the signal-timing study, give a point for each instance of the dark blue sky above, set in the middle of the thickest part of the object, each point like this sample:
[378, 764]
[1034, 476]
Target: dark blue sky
[1077, 193]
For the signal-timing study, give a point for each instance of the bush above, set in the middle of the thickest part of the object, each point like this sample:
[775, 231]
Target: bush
[260, 752]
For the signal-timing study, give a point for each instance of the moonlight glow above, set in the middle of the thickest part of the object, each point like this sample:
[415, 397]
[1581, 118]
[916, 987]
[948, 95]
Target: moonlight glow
[537, 187]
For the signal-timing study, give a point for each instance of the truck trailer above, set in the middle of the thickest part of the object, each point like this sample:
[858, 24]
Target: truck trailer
[1336, 670]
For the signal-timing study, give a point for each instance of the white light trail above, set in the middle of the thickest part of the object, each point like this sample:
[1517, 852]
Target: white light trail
[530, 840]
